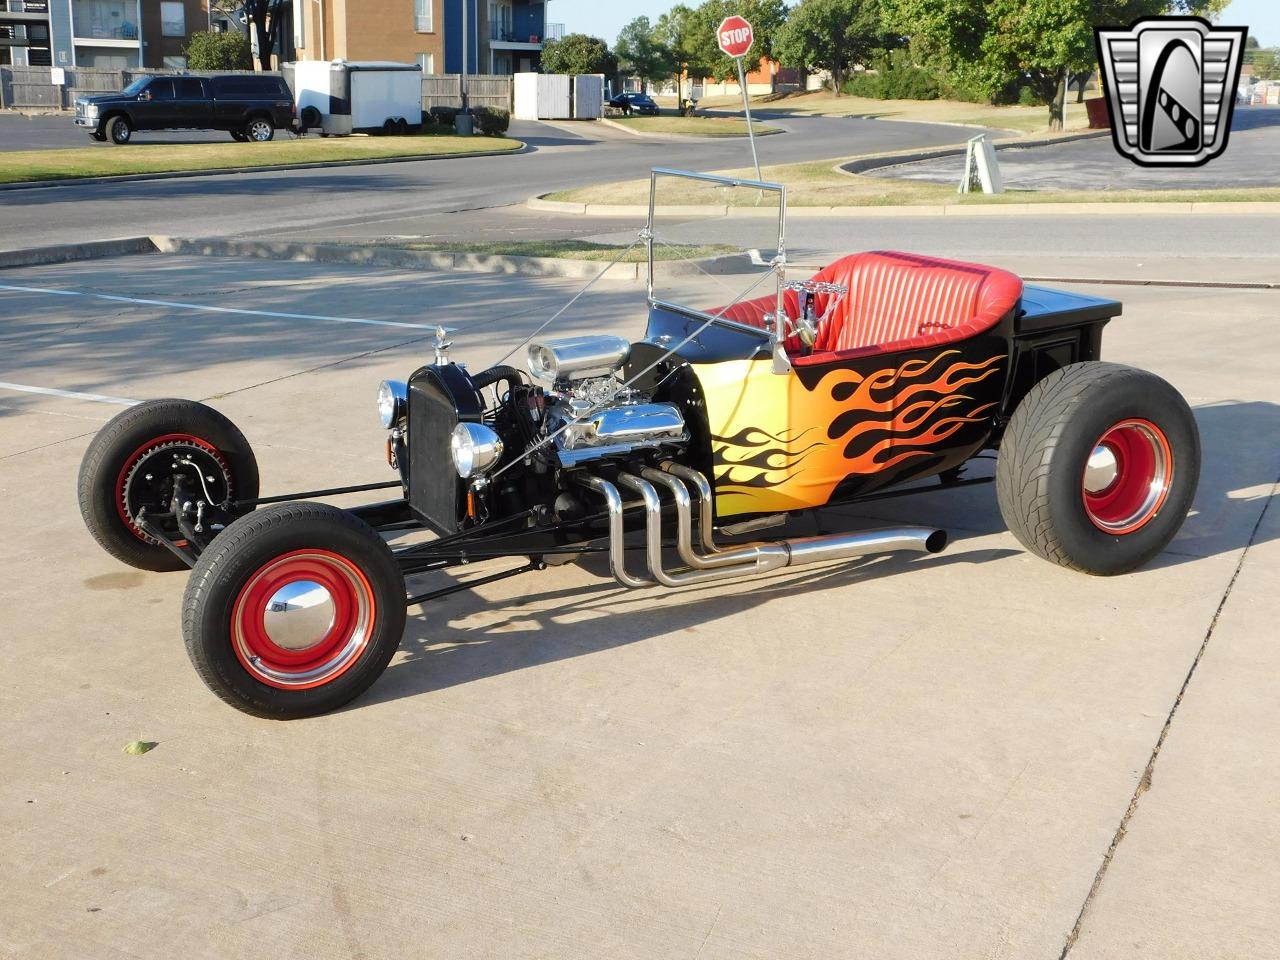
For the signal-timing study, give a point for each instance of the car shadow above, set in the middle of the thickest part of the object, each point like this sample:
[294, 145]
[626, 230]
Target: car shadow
[444, 647]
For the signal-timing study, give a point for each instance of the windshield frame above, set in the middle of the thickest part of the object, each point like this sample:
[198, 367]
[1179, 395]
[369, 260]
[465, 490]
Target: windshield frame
[779, 264]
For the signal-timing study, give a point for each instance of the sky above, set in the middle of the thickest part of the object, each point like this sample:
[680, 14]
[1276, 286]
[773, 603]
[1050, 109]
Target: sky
[604, 18]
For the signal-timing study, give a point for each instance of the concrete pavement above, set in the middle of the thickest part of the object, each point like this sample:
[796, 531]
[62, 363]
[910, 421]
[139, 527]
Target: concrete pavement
[900, 758]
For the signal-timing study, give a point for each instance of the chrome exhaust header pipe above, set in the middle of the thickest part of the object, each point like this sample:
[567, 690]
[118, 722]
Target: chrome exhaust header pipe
[745, 560]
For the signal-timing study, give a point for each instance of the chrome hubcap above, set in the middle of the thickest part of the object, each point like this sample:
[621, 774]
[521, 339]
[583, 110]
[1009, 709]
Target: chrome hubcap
[1101, 470]
[299, 615]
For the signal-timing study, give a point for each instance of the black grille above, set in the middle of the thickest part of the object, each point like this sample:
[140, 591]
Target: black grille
[438, 398]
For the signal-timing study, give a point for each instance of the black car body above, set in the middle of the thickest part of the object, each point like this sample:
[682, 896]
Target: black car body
[249, 107]
[640, 103]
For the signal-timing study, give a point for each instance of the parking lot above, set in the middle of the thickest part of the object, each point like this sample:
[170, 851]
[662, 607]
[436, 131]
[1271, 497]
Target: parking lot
[894, 758]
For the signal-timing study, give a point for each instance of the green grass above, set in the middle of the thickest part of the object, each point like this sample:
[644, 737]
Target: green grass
[104, 160]
[573, 249]
[1032, 121]
[818, 184]
[695, 126]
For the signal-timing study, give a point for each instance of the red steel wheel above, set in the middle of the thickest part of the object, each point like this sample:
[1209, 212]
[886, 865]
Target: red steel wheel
[303, 619]
[293, 610]
[130, 477]
[1127, 477]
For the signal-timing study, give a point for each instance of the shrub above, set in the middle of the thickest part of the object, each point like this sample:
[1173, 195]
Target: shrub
[218, 51]
[1027, 97]
[491, 121]
[444, 116]
[896, 77]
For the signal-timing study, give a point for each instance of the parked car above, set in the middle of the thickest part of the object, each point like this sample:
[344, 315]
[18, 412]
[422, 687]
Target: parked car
[250, 107]
[630, 103]
[880, 372]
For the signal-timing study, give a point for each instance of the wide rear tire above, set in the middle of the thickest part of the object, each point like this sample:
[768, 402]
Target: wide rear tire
[1098, 467]
[293, 611]
[125, 467]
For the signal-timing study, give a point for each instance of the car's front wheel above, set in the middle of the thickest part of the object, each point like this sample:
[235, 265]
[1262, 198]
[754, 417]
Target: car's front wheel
[259, 130]
[133, 467]
[1098, 467]
[293, 611]
[119, 131]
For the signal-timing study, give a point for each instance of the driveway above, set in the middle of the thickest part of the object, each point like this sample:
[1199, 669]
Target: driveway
[1252, 159]
[896, 758]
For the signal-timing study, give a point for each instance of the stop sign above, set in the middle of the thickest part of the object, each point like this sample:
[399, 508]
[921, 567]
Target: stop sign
[734, 36]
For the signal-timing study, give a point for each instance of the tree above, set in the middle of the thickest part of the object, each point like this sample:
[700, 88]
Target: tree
[219, 51]
[993, 43]
[641, 49]
[578, 53]
[834, 35]
[269, 19]
[765, 16]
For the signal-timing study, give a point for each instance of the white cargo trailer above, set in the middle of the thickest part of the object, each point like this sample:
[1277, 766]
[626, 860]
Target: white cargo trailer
[339, 97]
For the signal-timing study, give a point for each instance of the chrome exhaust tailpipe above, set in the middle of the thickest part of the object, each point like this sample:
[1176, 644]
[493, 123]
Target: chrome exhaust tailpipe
[746, 560]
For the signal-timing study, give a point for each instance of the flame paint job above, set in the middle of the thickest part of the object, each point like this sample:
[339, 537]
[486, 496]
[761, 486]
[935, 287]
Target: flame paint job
[828, 431]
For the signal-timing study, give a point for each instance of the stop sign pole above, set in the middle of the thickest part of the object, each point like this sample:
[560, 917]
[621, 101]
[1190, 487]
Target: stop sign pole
[735, 36]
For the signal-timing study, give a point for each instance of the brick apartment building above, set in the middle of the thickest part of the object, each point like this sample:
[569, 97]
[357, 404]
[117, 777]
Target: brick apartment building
[506, 36]
[108, 34]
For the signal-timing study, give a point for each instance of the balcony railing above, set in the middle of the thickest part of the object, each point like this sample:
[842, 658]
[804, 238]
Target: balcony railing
[504, 33]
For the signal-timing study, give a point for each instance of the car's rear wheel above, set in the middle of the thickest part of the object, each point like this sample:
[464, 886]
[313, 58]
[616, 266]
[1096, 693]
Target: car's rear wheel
[293, 611]
[259, 130]
[119, 131]
[1098, 467]
[131, 466]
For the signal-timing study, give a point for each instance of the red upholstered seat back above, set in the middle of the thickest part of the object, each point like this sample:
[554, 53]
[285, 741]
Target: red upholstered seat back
[897, 301]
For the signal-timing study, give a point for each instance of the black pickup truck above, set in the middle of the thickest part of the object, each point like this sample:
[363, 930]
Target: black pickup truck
[249, 107]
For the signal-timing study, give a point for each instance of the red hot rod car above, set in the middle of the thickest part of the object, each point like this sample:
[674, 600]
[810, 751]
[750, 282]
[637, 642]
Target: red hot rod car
[877, 373]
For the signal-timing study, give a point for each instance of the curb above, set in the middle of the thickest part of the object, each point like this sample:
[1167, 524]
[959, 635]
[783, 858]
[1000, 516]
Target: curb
[274, 167]
[70, 252]
[686, 136]
[880, 161]
[434, 259]
[1093, 208]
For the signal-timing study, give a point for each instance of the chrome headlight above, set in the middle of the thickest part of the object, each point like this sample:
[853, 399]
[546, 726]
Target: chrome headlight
[475, 448]
[393, 399]
[91, 110]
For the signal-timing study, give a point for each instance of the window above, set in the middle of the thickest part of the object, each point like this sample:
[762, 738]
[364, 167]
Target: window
[176, 63]
[173, 19]
[427, 61]
[190, 88]
[422, 15]
[161, 89]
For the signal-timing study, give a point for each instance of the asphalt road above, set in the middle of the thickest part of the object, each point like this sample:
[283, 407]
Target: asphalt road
[1252, 159]
[415, 198]
[20, 132]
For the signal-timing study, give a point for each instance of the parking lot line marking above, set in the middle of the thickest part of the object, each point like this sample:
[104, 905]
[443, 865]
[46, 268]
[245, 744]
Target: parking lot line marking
[205, 308]
[68, 394]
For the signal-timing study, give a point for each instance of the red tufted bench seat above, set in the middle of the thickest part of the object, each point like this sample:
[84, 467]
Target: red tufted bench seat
[896, 301]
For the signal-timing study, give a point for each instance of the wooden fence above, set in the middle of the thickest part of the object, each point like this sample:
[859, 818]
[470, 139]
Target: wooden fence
[31, 88]
[483, 90]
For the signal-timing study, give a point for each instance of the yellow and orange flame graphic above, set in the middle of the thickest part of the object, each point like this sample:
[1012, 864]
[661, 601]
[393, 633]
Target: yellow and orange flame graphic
[778, 445]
